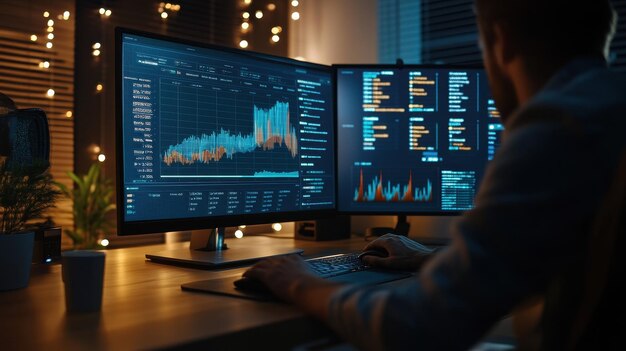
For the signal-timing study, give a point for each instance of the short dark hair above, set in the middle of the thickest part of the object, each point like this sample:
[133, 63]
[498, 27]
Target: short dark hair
[558, 29]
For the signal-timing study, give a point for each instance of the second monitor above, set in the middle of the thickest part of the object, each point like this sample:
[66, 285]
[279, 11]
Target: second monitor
[413, 139]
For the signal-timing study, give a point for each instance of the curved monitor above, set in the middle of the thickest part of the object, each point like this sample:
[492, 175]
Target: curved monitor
[413, 139]
[210, 136]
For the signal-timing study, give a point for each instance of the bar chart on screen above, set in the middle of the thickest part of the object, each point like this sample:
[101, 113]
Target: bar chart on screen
[225, 138]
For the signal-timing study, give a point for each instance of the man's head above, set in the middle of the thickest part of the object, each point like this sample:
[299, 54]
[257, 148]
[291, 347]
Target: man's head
[531, 39]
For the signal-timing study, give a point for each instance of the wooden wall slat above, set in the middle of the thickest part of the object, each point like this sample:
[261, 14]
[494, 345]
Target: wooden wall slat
[26, 83]
[33, 74]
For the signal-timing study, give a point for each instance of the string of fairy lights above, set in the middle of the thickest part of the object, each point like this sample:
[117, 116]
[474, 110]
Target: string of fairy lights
[165, 11]
[275, 32]
[47, 40]
[97, 50]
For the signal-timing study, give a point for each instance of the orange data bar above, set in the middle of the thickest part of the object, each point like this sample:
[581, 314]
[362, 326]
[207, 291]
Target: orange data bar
[421, 81]
[389, 109]
[462, 147]
[494, 114]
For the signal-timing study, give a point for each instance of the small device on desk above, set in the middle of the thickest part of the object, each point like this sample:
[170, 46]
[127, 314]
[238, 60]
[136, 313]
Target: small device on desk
[332, 228]
[209, 137]
[412, 139]
[47, 245]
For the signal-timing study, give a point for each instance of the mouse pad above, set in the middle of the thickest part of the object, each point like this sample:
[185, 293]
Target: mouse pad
[225, 286]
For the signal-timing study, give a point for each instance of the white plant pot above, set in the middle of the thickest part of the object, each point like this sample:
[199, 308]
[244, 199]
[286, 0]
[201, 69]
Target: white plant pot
[16, 254]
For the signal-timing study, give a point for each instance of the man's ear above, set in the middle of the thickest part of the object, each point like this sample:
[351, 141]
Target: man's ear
[503, 49]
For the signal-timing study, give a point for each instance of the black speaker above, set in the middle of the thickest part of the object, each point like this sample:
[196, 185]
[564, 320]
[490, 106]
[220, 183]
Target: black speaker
[334, 228]
[47, 246]
[24, 135]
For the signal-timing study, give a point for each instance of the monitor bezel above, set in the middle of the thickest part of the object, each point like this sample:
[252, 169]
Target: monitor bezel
[198, 223]
[336, 68]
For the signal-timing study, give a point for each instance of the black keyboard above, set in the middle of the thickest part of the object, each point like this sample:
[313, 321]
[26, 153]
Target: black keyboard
[330, 266]
[335, 267]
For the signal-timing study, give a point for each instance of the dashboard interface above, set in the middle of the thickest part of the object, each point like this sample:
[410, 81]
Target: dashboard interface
[413, 139]
[210, 132]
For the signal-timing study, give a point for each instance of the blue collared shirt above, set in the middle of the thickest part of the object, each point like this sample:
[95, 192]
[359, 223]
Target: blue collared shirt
[532, 216]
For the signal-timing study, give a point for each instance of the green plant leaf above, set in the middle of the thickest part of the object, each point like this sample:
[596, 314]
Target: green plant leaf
[91, 201]
[26, 193]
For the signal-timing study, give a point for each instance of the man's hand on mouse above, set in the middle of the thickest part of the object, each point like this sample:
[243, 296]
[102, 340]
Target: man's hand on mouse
[403, 253]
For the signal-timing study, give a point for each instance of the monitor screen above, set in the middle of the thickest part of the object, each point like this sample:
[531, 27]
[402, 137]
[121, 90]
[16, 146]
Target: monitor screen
[211, 136]
[412, 140]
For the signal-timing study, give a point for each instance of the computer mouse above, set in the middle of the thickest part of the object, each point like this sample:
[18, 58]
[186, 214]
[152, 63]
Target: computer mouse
[377, 253]
[251, 285]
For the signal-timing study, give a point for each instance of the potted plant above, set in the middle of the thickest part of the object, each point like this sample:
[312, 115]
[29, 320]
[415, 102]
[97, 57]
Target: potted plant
[91, 201]
[26, 192]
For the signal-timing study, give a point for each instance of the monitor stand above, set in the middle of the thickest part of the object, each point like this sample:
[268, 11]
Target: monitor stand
[402, 228]
[207, 250]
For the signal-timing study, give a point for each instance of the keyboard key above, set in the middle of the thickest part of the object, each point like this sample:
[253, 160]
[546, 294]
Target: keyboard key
[336, 264]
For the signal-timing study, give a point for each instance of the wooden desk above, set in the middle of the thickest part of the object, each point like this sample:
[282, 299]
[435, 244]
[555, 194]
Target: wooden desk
[143, 307]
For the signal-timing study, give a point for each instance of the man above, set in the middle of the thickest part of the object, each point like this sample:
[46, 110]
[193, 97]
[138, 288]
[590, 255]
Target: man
[564, 113]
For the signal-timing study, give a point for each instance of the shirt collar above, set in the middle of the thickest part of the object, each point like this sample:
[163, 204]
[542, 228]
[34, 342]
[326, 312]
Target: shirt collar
[573, 69]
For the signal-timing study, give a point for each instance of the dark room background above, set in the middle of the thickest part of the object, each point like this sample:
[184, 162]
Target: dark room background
[59, 54]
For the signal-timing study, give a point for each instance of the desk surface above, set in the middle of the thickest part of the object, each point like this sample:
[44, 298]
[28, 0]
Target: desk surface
[144, 307]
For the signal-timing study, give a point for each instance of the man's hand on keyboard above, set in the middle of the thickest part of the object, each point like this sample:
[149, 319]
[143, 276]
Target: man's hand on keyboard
[404, 253]
[290, 278]
[283, 275]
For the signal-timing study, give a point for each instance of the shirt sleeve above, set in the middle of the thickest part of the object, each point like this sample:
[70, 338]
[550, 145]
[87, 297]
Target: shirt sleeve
[529, 222]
